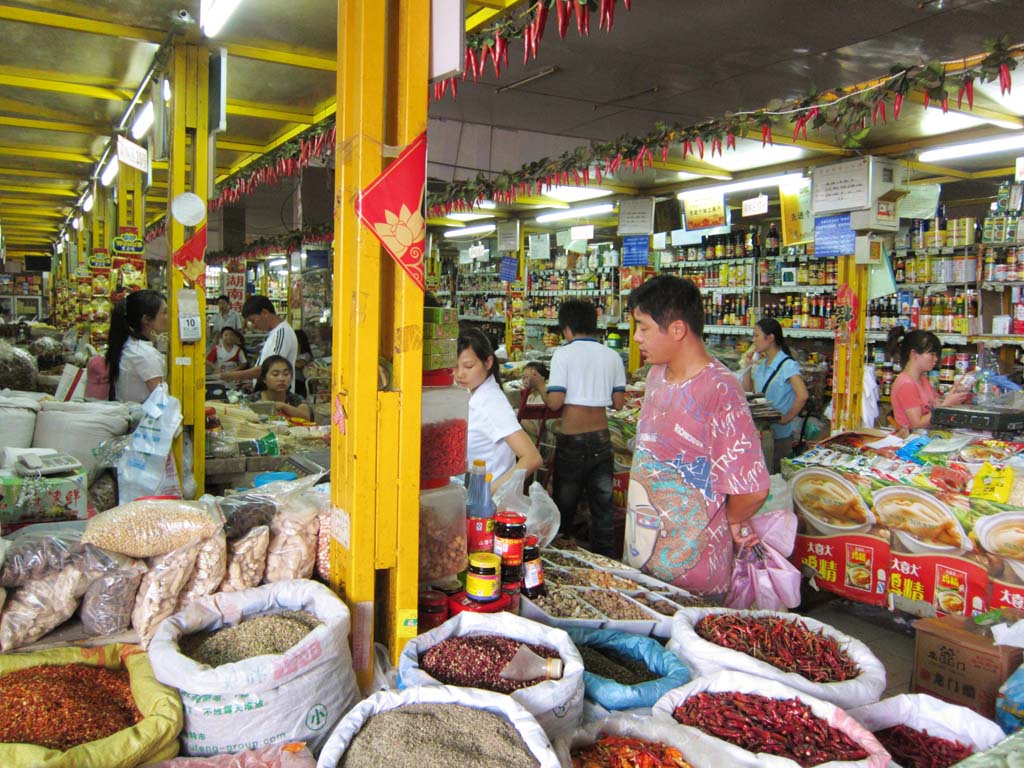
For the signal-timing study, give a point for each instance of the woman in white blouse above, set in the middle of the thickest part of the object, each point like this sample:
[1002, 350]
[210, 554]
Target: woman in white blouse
[136, 366]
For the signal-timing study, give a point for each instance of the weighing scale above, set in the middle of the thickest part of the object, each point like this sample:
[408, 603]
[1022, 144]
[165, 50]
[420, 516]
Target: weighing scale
[1001, 421]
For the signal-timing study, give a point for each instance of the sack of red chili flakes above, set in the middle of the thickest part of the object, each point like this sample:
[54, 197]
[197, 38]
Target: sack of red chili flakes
[799, 654]
[812, 724]
[557, 704]
[926, 713]
[153, 738]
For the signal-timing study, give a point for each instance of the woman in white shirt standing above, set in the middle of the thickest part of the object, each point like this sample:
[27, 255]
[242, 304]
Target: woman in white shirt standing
[494, 432]
[136, 366]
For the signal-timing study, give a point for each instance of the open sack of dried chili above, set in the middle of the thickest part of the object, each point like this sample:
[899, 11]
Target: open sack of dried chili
[297, 695]
[664, 667]
[766, 724]
[557, 704]
[940, 734]
[154, 737]
[802, 653]
[448, 725]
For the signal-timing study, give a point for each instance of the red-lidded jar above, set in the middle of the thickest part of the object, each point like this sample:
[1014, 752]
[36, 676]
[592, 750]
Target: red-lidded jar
[509, 533]
[533, 570]
[462, 602]
[433, 609]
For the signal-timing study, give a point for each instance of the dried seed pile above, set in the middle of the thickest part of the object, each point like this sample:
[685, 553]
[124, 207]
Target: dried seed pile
[614, 666]
[474, 661]
[273, 633]
[685, 601]
[912, 748]
[562, 603]
[438, 736]
[582, 577]
[787, 645]
[627, 752]
[557, 558]
[784, 727]
[615, 606]
[60, 707]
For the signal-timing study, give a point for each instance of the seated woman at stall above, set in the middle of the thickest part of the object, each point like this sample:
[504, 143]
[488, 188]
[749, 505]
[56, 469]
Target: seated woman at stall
[274, 386]
[228, 354]
[772, 371]
[494, 432]
[913, 396]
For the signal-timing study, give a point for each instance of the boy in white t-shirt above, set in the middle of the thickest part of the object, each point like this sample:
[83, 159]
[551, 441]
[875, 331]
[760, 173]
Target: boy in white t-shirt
[586, 378]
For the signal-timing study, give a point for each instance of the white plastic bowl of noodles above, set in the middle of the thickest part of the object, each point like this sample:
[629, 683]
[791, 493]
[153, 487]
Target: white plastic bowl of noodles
[924, 524]
[829, 502]
[1002, 535]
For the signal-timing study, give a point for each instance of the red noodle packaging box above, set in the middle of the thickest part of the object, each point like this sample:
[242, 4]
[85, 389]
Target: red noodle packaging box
[855, 566]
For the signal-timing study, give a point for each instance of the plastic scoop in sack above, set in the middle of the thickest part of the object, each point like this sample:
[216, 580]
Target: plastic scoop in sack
[527, 665]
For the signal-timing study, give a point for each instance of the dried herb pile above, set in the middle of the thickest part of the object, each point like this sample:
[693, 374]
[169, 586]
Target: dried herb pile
[474, 661]
[60, 707]
[614, 666]
[273, 633]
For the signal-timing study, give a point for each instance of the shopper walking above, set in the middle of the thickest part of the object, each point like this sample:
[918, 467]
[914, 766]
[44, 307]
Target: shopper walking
[698, 472]
[772, 371]
[586, 378]
[494, 432]
[913, 396]
[135, 366]
[259, 312]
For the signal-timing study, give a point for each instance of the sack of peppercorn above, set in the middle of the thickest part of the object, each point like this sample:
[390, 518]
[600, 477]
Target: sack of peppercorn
[797, 651]
[964, 730]
[265, 698]
[470, 649]
[157, 722]
[758, 723]
[446, 735]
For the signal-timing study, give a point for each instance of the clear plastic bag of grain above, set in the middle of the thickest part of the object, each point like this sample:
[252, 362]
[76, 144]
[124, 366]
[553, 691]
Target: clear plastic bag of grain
[246, 560]
[158, 593]
[293, 539]
[151, 527]
[35, 552]
[108, 602]
[211, 565]
[40, 606]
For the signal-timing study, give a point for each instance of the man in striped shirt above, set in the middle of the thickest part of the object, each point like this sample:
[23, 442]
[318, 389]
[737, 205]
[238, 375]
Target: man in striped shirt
[259, 312]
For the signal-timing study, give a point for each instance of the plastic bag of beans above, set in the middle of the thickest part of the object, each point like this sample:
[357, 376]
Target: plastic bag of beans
[110, 597]
[211, 565]
[151, 527]
[35, 551]
[158, 593]
[291, 553]
[246, 560]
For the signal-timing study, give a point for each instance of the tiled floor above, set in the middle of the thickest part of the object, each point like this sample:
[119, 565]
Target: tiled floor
[885, 633]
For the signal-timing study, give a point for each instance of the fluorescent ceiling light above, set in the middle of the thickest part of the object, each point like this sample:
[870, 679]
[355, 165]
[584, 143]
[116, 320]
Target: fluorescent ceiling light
[213, 14]
[276, 262]
[488, 205]
[479, 229]
[469, 216]
[750, 154]
[577, 213]
[741, 186]
[143, 122]
[973, 148]
[167, 89]
[76, 222]
[934, 122]
[87, 203]
[109, 173]
[576, 194]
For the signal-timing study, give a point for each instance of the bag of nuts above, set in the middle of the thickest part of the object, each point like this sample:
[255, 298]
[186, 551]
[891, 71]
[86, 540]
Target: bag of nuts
[293, 540]
[151, 527]
[158, 593]
[442, 532]
[109, 600]
[211, 565]
[39, 606]
[246, 560]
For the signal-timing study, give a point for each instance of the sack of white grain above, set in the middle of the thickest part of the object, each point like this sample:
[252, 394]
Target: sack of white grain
[77, 428]
[557, 704]
[295, 696]
[18, 415]
[432, 731]
[151, 527]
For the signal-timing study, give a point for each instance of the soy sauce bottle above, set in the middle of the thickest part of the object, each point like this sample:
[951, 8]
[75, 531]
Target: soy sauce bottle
[533, 569]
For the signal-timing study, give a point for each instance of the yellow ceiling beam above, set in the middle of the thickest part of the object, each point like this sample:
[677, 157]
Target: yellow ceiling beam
[28, 213]
[76, 24]
[688, 166]
[19, 254]
[31, 201]
[267, 112]
[937, 170]
[547, 202]
[291, 57]
[30, 109]
[32, 173]
[779, 137]
[35, 83]
[490, 9]
[56, 125]
[28, 228]
[38, 190]
[972, 134]
[233, 145]
[992, 173]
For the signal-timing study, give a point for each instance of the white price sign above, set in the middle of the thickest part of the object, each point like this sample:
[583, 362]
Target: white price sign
[755, 206]
[190, 324]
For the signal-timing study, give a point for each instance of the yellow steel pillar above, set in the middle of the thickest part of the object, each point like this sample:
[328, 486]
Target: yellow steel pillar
[188, 172]
[98, 218]
[848, 361]
[130, 204]
[378, 311]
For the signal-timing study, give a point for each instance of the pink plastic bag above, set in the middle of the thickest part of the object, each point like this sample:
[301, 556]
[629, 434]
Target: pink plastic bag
[276, 756]
[768, 583]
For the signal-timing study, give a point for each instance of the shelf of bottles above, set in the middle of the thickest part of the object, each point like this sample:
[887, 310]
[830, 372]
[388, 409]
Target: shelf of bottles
[480, 295]
[547, 288]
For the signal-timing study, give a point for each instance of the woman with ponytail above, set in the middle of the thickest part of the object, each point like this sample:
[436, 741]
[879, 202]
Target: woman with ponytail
[912, 394]
[136, 367]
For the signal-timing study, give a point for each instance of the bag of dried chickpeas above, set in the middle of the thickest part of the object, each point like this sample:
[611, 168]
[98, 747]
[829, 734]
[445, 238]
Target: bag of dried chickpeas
[151, 527]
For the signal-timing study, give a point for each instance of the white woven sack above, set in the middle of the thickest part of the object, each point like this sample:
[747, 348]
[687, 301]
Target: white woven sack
[939, 718]
[644, 727]
[296, 696]
[737, 757]
[383, 701]
[705, 658]
[77, 428]
[557, 704]
[18, 416]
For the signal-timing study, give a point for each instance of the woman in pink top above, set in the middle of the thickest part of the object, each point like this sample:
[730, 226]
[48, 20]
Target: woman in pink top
[912, 394]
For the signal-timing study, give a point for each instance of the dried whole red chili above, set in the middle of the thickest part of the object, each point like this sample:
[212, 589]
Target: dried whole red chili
[784, 727]
[60, 707]
[627, 752]
[474, 661]
[444, 448]
[912, 748]
[787, 645]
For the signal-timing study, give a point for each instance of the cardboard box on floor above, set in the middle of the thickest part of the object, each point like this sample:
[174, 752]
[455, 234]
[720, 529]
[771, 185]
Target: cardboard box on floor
[955, 662]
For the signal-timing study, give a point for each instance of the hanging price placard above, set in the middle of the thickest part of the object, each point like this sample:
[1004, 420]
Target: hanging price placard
[190, 324]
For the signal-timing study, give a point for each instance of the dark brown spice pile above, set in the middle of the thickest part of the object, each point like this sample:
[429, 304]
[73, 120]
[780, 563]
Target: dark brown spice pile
[614, 666]
[60, 707]
[475, 660]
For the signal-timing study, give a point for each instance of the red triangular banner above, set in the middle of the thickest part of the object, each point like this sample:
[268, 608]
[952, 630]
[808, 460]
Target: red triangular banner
[189, 258]
[392, 208]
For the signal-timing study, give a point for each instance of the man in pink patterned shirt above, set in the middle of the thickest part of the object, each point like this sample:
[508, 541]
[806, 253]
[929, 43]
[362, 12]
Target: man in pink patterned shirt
[698, 470]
